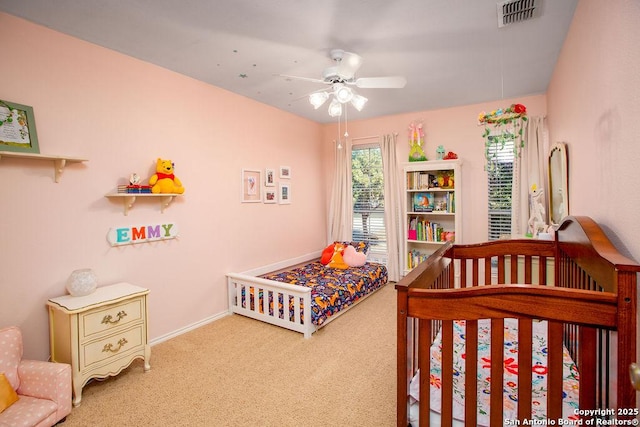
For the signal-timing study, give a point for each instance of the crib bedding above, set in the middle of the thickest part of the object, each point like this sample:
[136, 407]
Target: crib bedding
[539, 374]
[332, 289]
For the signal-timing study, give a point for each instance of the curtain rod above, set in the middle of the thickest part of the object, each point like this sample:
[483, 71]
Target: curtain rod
[365, 137]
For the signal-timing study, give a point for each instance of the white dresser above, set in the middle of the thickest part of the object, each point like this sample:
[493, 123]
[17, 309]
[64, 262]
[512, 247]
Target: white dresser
[99, 334]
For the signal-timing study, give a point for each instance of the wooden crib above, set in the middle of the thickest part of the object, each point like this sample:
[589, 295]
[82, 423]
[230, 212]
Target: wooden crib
[579, 285]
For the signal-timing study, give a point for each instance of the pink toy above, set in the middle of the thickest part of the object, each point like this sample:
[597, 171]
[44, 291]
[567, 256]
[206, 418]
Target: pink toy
[353, 258]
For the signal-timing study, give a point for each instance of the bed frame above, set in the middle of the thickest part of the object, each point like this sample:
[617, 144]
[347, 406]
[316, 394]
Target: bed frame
[579, 283]
[248, 282]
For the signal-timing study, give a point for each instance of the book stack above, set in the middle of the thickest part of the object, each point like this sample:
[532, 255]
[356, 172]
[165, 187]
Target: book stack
[419, 180]
[414, 258]
[423, 230]
[137, 189]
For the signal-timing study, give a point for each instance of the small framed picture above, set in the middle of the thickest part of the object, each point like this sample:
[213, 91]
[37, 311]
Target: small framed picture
[285, 194]
[251, 186]
[17, 128]
[269, 178]
[285, 172]
[270, 195]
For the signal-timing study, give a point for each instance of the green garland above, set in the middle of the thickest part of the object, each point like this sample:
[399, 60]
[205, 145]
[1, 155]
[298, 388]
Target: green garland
[500, 120]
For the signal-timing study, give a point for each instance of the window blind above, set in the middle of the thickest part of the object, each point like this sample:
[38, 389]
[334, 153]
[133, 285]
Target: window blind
[368, 196]
[500, 181]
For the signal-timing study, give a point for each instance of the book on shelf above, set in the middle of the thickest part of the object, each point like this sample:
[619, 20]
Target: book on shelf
[423, 202]
[426, 231]
[419, 180]
[136, 189]
[414, 258]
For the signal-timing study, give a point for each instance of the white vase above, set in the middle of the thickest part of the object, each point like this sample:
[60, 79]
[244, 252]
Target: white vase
[82, 282]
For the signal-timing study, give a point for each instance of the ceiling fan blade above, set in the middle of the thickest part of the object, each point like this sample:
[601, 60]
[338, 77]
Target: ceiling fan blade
[348, 65]
[390, 82]
[306, 79]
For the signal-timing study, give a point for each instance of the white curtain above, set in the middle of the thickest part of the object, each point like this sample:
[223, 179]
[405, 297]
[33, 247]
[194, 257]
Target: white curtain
[528, 170]
[393, 206]
[341, 204]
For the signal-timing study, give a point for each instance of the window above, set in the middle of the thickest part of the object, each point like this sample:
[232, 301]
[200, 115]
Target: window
[368, 197]
[500, 179]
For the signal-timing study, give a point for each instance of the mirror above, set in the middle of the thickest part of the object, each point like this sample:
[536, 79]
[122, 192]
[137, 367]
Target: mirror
[558, 183]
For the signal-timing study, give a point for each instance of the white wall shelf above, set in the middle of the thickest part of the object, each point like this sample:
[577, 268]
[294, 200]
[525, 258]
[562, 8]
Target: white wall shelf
[59, 162]
[128, 199]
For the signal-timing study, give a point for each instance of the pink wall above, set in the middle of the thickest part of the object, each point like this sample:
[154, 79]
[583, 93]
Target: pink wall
[594, 106]
[121, 114]
[457, 130]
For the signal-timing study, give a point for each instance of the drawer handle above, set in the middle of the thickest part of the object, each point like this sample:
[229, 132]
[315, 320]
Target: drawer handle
[108, 319]
[109, 347]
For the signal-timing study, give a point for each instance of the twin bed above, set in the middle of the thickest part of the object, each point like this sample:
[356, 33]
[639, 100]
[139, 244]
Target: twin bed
[547, 329]
[308, 295]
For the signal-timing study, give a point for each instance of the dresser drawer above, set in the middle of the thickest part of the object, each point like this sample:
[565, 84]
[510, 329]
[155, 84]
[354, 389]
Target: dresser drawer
[109, 317]
[98, 352]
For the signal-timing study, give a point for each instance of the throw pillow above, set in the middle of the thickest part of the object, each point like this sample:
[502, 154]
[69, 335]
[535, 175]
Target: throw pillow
[8, 395]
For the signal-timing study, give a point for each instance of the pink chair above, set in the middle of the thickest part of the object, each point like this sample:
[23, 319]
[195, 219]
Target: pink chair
[43, 388]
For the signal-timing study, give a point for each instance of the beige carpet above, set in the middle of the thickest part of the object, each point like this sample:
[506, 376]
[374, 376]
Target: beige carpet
[241, 372]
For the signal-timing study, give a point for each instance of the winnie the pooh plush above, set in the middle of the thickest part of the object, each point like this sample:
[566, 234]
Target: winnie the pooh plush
[164, 181]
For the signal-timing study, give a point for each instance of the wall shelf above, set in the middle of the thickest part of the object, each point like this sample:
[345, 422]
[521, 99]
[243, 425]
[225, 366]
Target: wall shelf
[128, 199]
[59, 162]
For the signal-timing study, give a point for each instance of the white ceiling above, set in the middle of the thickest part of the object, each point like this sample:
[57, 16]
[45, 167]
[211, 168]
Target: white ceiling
[451, 51]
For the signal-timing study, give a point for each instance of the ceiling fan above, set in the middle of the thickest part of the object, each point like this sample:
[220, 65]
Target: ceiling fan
[340, 77]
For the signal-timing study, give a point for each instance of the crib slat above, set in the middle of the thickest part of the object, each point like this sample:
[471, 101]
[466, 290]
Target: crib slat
[501, 265]
[447, 372]
[487, 271]
[424, 362]
[514, 268]
[463, 274]
[527, 269]
[554, 376]
[476, 274]
[525, 354]
[497, 372]
[471, 374]
[587, 364]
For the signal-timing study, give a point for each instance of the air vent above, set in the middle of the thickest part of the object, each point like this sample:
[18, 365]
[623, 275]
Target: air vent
[512, 11]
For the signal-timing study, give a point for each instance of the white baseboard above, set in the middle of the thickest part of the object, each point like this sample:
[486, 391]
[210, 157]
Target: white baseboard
[282, 264]
[188, 328]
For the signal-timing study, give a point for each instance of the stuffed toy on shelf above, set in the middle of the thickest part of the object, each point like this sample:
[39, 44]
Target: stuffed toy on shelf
[164, 180]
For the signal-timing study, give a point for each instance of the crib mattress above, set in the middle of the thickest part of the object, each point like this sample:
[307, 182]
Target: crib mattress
[539, 374]
[332, 289]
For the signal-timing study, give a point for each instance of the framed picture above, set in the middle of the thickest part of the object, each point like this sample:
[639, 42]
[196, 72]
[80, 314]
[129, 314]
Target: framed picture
[251, 186]
[17, 128]
[269, 178]
[285, 194]
[285, 172]
[270, 195]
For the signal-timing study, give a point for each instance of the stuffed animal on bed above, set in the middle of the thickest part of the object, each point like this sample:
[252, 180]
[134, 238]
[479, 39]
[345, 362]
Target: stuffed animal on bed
[164, 181]
[353, 258]
[341, 255]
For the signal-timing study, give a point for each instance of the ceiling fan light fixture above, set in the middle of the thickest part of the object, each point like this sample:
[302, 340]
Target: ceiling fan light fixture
[358, 101]
[335, 108]
[343, 93]
[318, 98]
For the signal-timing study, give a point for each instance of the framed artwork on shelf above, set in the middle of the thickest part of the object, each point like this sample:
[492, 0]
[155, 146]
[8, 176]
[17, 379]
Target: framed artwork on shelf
[251, 186]
[285, 194]
[285, 172]
[269, 178]
[270, 195]
[18, 128]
